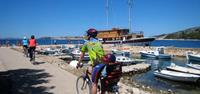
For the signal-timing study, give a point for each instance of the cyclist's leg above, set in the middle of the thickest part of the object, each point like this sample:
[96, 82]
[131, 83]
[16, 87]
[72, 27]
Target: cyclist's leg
[31, 53]
[26, 50]
[95, 76]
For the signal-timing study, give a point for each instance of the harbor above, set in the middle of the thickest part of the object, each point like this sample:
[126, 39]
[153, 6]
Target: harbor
[139, 75]
[100, 47]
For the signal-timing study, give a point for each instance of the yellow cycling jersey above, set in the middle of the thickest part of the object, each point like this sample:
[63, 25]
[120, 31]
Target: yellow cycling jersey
[94, 49]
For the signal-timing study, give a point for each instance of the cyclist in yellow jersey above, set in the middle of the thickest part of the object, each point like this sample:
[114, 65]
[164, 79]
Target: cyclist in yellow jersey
[96, 53]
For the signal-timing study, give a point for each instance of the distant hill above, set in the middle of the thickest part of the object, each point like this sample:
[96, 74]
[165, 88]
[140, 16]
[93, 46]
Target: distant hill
[191, 33]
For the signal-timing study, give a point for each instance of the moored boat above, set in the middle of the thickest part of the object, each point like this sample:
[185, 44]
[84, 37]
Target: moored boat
[125, 60]
[158, 53]
[76, 55]
[177, 76]
[183, 69]
[192, 57]
[195, 66]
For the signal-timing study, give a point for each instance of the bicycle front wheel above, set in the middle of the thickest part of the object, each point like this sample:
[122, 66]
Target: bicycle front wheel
[82, 86]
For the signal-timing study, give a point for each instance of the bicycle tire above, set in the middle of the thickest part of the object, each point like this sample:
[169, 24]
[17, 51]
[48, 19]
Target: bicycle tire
[84, 87]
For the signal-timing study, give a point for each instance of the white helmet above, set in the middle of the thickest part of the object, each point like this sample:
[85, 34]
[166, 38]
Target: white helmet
[24, 37]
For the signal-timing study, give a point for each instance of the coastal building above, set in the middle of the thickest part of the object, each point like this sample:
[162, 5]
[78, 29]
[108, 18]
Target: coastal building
[123, 36]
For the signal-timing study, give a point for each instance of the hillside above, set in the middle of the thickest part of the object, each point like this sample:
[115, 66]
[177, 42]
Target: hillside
[191, 33]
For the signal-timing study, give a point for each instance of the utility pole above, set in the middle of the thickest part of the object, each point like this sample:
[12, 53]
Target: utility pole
[130, 5]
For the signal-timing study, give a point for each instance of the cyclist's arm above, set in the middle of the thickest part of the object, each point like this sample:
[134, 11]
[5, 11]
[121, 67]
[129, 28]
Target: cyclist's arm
[81, 57]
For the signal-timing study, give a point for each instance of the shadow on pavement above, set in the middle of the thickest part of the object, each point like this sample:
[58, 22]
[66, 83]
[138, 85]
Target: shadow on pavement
[38, 63]
[25, 81]
[5, 83]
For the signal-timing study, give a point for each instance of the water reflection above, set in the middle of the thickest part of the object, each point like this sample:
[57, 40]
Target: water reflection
[156, 83]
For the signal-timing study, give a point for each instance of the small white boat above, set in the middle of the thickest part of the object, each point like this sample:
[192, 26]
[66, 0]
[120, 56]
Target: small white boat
[158, 53]
[154, 54]
[123, 56]
[50, 51]
[192, 57]
[174, 67]
[76, 55]
[177, 76]
[125, 53]
[195, 66]
[150, 54]
[125, 60]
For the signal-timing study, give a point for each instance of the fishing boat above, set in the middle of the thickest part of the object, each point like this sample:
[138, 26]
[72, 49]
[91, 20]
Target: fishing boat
[177, 76]
[195, 66]
[192, 57]
[158, 53]
[76, 54]
[178, 68]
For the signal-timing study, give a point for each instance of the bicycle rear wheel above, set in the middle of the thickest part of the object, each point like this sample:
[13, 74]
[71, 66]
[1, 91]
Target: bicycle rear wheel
[82, 86]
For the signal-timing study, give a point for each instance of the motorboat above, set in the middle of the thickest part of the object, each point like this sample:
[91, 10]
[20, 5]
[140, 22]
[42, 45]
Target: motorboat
[158, 53]
[176, 76]
[192, 57]
[150, 54]
[50, 51]
[125, 53]
[125, 60]
[178, 68]
[123, 56]
[194, 66]
[76, 54]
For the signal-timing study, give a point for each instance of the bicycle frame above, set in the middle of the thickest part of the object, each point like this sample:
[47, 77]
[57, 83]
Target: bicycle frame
[87, 80]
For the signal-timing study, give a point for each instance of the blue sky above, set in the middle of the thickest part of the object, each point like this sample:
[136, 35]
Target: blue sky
[20, 18]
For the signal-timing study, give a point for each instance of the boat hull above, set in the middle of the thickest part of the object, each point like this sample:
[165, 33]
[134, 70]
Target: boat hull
[148, 55]
[136, 40]
[164, 56]
[183, 69]
[183, 78]
[193, 57]
[194, 66]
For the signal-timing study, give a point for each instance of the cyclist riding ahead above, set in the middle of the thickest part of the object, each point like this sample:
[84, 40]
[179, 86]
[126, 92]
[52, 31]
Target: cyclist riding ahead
[32, 47]
[25, 46]
[95, 52]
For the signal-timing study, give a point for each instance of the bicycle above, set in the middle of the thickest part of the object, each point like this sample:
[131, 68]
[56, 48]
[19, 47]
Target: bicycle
[86, 84]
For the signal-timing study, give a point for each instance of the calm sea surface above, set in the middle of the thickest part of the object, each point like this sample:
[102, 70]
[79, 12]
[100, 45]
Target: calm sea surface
[177, 43]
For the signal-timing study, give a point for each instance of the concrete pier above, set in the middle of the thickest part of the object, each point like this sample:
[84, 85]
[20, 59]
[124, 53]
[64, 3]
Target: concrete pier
[138, 68]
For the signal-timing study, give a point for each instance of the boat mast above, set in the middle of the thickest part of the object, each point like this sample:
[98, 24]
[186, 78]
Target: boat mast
[107, 12]
[130, 2]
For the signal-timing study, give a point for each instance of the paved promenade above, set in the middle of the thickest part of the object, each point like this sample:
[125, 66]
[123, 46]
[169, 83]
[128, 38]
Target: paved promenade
[19, 76]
